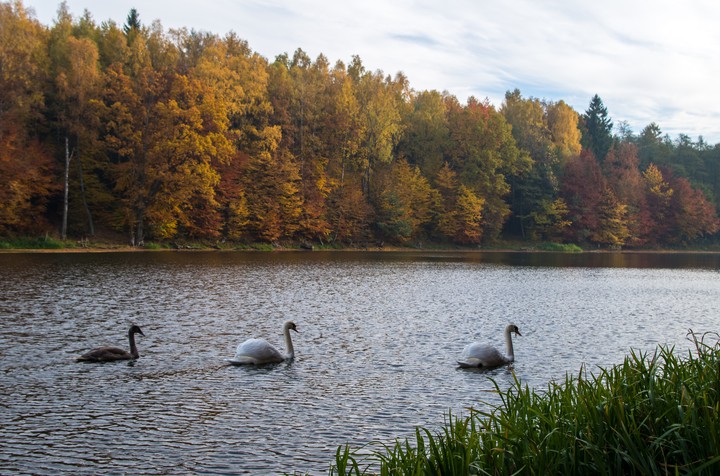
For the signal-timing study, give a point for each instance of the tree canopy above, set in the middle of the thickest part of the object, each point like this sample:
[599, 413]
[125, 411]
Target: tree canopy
[189, 135]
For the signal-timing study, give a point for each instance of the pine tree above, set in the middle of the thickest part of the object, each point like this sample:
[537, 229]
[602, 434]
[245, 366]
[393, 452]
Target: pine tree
[597, 131]
[132, 25]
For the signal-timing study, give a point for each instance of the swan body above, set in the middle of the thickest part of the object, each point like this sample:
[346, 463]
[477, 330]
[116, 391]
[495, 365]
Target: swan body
[479, 354]
[111, 354]
[260, 351]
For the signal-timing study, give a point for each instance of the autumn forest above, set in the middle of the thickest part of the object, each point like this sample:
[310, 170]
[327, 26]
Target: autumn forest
[162, 136]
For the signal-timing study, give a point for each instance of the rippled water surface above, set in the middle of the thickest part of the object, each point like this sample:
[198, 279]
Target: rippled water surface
[375, 356]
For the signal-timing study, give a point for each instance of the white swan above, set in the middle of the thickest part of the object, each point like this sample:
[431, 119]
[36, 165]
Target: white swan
[111, 354]
[260, 351]
[478, 354]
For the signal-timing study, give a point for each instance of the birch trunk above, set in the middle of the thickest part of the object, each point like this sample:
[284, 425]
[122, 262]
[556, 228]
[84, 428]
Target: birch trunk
[63, 233]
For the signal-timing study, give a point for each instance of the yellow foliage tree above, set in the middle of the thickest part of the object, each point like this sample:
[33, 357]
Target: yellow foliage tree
[562, 121]
[469, 214]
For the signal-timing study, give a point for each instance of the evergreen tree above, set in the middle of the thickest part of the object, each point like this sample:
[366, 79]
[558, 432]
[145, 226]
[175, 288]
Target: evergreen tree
[132, 24]
[597, 130]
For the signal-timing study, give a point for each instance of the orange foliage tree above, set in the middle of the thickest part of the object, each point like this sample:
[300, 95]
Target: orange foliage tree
[27, 173]
[692, 214]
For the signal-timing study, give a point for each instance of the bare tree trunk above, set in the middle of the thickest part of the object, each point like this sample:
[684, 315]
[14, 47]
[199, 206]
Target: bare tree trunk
[91, 227]
[140, 231]
[63, 233]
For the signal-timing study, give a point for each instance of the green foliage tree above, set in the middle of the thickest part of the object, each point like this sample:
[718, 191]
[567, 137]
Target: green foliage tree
[711, 157]
[653, 146]
[530, 190]
[484, 154]
[301, 90]
[426, 135]
[344, 125]
[551, 221]
[112, 45]
[529, 125]
[381, 125]
[405, 206]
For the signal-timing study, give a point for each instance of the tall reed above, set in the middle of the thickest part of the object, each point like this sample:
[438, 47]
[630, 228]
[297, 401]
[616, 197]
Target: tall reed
[649, 415]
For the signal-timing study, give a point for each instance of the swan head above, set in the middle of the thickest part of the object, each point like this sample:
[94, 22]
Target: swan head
[512, 328]
[290, 325]
[136, 330]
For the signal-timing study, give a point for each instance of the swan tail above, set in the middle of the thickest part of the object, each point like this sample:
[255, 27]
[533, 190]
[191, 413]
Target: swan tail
[241, 360]
[468, 365]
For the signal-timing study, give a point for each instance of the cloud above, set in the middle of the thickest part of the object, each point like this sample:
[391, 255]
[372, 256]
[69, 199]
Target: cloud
[650, 61]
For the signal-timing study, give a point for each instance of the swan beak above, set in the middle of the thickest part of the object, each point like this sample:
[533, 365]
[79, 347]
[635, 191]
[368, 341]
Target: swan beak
[518, 333]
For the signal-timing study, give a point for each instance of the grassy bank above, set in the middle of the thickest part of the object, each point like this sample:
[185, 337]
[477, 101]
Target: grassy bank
[649, 415]
[35, 243]
[108, 241]
[53, 243]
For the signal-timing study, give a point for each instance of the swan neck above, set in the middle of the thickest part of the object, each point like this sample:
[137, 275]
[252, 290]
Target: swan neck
[289, 344]
[133, 347]
[509, 345]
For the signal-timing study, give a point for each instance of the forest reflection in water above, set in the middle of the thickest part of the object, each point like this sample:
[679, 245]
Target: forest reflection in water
[379, 336]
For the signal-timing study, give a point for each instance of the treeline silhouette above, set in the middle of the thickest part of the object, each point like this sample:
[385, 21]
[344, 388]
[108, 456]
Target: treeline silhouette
[185, 135]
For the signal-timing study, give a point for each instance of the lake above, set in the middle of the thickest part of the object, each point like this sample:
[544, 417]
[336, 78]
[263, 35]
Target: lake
[379, 335]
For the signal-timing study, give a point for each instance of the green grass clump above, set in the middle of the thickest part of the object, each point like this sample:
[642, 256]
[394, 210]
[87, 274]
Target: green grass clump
[35, 243]
[566, 247]
[646, 416]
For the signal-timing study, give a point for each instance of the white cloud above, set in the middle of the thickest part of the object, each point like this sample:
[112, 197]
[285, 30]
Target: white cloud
[649, 60]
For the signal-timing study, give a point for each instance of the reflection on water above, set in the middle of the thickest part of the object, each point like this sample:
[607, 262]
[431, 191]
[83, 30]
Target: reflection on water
[379, 336]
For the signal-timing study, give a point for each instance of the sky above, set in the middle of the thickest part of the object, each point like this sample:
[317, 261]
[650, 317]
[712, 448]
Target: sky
[648, 60]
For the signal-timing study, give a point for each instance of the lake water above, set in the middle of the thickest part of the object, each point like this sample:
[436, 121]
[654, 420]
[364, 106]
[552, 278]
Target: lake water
[375, 356]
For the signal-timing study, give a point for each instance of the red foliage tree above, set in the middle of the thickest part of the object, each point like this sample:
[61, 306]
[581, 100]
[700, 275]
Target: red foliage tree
[692, 214]
[582, 188]
[622, 172]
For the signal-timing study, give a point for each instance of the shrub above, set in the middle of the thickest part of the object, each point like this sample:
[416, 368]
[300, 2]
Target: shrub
[560, 247]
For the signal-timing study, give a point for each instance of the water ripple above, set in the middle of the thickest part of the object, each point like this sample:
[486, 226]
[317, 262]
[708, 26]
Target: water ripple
[379, 335]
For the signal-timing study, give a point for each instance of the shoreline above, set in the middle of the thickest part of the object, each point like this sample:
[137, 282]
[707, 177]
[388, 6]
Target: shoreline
[500, 249]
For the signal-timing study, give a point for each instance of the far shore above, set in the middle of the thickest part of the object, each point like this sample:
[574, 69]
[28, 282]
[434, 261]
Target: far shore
[515, 247]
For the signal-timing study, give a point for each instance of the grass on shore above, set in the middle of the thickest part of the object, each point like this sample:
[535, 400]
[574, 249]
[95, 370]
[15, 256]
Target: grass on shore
[35, 243]
[549, 246]
[649, 415]
[51, 243]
